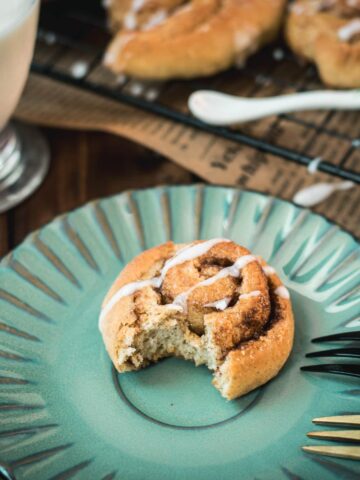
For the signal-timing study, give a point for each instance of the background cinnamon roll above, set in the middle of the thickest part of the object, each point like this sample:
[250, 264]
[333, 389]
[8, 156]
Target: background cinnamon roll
[327, 32]
[185, 39]
[211, 302]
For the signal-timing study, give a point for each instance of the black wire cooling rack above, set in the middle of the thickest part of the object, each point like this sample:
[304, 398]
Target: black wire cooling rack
[70, 47]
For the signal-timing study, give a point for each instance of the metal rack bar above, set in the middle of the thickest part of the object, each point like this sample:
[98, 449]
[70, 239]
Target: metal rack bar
[156, 107]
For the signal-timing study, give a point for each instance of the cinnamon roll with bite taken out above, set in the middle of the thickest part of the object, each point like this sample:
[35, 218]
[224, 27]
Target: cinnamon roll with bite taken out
[211, 302]
[327, 32]
[191, 38]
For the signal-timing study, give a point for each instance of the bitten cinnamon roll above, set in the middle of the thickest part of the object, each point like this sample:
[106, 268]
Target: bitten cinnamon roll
[185, 39]
[327, 32]
[211, 302]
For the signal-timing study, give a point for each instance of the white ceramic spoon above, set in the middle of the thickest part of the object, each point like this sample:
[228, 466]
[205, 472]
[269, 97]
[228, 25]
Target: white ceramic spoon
[218, 108]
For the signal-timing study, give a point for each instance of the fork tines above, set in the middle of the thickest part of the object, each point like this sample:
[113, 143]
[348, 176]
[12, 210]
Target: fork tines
[338, 337]
[352, 370]
[351, 352]
[342, 420]
[339, 369]
[351, 452]
[339, 435]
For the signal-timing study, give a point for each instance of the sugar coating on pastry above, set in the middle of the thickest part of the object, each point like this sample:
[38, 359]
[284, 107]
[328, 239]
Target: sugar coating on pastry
[184, 39]
[211, 302]
[139, 14]
[327, 32]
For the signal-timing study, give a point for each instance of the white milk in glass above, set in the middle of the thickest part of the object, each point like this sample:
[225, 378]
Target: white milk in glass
[18, 23]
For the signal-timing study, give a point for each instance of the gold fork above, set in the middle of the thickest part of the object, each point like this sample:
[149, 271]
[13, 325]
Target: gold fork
[351, 452]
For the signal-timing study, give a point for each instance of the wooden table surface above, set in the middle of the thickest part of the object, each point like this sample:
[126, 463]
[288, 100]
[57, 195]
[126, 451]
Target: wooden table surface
[85, 166]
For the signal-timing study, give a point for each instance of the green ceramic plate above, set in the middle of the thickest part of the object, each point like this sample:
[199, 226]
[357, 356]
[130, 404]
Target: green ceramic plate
[65, 413]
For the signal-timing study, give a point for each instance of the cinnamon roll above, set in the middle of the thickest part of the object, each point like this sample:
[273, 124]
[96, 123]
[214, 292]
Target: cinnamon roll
[210, 302]
[327, 32]
[191, 38]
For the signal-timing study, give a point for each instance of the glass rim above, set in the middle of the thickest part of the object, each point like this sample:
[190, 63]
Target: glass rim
[23, 13]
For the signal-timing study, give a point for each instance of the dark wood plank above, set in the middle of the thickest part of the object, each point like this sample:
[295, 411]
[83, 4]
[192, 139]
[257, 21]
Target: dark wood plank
[115, 164]
[85, 166]
[4, 235]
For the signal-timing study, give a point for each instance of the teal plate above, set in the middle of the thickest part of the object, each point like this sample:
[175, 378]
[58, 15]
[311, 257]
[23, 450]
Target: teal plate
[65, 413]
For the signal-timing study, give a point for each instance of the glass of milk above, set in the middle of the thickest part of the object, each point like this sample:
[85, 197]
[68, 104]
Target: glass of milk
[24, 155]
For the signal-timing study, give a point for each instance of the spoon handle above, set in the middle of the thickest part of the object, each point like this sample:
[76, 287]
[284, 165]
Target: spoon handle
[221, 109]
[322, 99]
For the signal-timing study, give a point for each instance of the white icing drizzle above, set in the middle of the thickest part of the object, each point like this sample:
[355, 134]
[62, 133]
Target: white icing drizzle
[356, 143]
[311, 7]
[171, 306]
[315, 194]
[137, 5]
[155, 20]
[278, 54]
[242, 41]
[244, 44]
[109, 58]
[151, 94]
[125, 291]
[348, 31]
[136, 88]
[282, 292]
[190, 253]
[185, 254]
[50, 38]
[118, 44]
[130, 21]
[234, 271]
[221, 304]
[255, 293]
[268, 270]
[314, 165]
[79, 69]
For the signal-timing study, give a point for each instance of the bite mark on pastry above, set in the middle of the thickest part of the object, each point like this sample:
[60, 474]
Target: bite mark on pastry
[228, 306]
